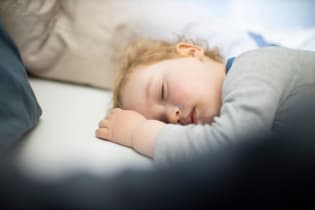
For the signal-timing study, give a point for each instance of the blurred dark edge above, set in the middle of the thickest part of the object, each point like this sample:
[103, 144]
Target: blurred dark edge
[274, 172]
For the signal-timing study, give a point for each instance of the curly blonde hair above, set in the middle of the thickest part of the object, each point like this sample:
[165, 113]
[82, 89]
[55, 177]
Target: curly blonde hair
[141, 52]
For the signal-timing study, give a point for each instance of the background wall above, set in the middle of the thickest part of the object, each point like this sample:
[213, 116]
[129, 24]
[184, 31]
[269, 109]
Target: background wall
[265, 13]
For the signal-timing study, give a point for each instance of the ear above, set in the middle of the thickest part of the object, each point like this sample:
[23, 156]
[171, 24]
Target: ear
[187, 49]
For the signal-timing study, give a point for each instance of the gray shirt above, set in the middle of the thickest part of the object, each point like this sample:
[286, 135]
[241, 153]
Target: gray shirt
[257, 96]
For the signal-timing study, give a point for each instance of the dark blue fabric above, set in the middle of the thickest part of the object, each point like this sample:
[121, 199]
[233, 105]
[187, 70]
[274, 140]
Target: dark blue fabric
[229, 64]
[19, 109]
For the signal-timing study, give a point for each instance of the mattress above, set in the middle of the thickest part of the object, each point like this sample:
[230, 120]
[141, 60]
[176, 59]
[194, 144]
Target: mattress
[64, 141]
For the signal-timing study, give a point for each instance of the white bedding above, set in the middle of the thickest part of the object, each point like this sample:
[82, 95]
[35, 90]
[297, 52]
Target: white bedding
[64, 140]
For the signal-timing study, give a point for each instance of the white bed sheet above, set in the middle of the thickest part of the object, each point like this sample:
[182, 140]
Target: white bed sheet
[64, 140]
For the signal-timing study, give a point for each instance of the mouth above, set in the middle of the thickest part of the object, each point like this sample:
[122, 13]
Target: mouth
[193, 116]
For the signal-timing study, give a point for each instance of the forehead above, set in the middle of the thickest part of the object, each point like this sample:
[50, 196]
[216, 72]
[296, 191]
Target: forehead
[133, 94]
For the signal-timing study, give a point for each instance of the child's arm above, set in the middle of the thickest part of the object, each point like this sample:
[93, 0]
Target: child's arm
[130, 129]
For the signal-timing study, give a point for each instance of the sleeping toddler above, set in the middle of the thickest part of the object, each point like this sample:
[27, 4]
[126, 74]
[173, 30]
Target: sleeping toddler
[172, 101]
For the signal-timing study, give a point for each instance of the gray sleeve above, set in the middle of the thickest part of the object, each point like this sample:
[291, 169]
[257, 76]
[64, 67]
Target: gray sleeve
[251, 94]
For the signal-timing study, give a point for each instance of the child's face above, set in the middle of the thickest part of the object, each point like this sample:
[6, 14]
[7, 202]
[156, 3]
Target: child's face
[183, 90]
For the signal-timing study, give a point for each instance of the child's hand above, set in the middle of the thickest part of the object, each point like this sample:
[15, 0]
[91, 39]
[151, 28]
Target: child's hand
[119, 125]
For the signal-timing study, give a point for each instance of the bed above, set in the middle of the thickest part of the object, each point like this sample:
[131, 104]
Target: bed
[71, 62]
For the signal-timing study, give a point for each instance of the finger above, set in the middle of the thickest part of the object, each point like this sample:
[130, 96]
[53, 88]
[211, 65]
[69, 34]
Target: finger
[113, 110]
[103, 123]
[109, 111]
[102, 133]
[110, 114]
[116, 110]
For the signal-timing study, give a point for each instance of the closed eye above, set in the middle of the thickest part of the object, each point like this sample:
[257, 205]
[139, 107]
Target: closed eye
[163, 91]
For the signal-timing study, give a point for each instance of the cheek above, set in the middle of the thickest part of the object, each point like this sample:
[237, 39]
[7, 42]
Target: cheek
[181, 92]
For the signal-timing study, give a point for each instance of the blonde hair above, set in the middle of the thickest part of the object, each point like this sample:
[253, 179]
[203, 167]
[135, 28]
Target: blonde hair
[147, 52]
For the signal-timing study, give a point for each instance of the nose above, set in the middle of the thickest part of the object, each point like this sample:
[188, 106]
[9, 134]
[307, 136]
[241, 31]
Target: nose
[173, 114]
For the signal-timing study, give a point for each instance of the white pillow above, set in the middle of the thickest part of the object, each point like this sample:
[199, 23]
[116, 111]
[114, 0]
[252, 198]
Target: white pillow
[77, 40]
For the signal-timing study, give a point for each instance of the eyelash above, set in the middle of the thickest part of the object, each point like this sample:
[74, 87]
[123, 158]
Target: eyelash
[163, 92]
